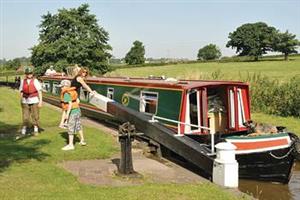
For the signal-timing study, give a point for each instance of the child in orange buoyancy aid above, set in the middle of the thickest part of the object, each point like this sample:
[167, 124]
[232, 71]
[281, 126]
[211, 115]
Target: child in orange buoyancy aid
[71, 113]
[66, 88]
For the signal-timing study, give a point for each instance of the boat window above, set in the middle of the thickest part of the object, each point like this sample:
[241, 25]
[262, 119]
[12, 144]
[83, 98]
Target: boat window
[241, 110]
[148, 102]
[217, 112]
[110, 93]
[46, 86]
[55, 88]
[232, 110]
[194, 111]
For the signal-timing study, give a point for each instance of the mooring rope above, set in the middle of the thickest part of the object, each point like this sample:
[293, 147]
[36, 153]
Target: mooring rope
[281, 157]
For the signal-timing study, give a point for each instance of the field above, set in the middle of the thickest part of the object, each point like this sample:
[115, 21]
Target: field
[275, 69]
[29, 167]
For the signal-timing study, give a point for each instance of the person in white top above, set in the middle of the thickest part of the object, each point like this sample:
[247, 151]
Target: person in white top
[31, 100]
[50, 71]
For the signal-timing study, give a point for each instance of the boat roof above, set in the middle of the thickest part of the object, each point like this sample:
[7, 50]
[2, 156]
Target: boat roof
[153, 82]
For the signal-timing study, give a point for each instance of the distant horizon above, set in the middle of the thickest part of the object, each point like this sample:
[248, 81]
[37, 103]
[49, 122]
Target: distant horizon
[168, 29]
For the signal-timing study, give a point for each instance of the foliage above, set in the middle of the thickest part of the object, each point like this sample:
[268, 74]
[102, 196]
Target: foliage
[209, 52]
[286, 43]
[15, 63]
[252, 39]
[72, 36]
[273, 97]
[136, 54]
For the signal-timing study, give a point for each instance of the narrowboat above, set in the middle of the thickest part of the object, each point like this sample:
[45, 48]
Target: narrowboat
[206, 111]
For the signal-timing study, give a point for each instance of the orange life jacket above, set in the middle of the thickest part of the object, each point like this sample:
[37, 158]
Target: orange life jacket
[74, 96]
[29, 90]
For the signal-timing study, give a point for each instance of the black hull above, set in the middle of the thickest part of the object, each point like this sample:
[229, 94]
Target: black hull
[263, 166]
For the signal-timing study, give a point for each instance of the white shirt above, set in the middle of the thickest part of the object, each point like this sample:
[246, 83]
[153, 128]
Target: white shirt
[31, 100]
[50, 72]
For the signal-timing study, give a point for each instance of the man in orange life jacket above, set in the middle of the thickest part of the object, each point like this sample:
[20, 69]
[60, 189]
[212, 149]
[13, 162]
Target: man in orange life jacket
[31, 100]
[70, 105]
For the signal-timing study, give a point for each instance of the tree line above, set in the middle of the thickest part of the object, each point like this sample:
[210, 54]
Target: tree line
[15, 63]
[73, 36]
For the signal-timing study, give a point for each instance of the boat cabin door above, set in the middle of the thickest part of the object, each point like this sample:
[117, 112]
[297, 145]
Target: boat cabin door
[195, 111]
[238, 107]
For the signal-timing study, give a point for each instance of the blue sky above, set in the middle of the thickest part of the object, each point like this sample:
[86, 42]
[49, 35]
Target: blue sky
[167, 28]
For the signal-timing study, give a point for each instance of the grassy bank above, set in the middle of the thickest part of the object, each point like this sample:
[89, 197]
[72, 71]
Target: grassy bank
[29, 167]
[275, 69]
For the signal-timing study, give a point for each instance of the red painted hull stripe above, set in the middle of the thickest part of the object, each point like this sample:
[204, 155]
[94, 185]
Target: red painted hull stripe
[260, 145]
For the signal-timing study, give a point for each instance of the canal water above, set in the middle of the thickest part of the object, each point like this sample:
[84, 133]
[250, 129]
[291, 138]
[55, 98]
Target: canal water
[274, 191]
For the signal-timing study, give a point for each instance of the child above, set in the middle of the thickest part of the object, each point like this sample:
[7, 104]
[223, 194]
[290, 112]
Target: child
[70, 105]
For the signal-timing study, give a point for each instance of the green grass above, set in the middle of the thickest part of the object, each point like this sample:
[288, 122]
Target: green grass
[29, 167]
[275, 69]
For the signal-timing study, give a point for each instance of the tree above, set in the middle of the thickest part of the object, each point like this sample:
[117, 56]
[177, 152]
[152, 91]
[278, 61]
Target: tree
[285, 43]
[72, 36]
[136, 54]
[13, 64]
[252, 39]
[209, 52]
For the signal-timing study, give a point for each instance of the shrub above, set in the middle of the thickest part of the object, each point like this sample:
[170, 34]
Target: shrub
[273, 97]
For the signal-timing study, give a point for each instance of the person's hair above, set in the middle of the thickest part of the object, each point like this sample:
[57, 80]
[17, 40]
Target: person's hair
[82, 70]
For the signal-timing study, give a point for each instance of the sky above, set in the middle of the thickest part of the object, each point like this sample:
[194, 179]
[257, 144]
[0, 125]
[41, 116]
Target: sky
[169, 28]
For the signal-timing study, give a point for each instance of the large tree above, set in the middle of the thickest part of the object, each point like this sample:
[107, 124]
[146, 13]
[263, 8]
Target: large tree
[285, 43]
[136, 54]
[252, 39]
[209, 52]
[72, 36]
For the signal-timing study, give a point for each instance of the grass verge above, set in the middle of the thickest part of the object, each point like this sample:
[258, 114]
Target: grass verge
[29, 167]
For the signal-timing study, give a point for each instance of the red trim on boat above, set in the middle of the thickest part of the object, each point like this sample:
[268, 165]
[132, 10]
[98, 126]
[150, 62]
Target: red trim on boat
[260, 144]
[183, 111]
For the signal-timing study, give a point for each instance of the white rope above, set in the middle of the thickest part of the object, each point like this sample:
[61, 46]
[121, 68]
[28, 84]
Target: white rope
[281, 157]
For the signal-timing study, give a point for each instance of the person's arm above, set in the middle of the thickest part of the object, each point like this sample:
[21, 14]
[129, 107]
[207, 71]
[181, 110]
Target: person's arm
[82, 82]
[38, 87]
[20, 89]
[40, 98]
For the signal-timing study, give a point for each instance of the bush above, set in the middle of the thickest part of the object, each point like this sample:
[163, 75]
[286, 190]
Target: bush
[273, 97]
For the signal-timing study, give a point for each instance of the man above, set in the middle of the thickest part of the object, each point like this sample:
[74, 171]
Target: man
[31, 100]
[50, 71]
[70, 105]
